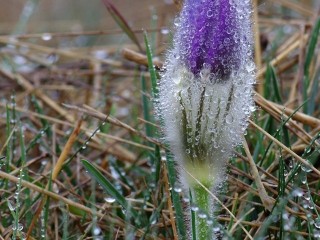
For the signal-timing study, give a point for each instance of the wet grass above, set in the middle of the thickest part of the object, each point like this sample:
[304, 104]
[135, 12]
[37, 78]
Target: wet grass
[81, 153]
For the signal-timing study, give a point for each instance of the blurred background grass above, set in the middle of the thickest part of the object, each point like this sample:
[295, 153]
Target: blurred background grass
[40, 16]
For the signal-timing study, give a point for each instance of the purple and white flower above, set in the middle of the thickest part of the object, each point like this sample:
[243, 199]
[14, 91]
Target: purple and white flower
[205, 94]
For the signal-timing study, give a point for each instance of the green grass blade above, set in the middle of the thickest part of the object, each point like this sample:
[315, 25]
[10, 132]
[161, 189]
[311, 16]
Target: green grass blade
[311, 47]
[44, 122]
[193, 220]
[314, 92]
[281, 190]
[157, 163]
[121, 21]
[108, 187]
[27, 201]
[275, 85]
[9, 145]
[309, 57]
[276, 134]
[154, 24]
[176, 199]
[146, 107]
[65, 222]
[152, 70]
[25, 16]
[154, 217]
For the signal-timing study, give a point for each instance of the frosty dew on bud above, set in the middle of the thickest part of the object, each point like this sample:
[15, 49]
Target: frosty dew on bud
[205, 94]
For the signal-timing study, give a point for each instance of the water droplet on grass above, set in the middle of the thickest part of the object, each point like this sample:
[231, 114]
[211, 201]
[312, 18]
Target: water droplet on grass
[46, 37]
[186, 199]
[317, 223]
[194, 207]
[20, 227]
[202, 215]
[164, 31]
[177, 188]
[11, 207]
[306, 168]
[216, 229]
[209, 221]
[109, 200]
[96, 231]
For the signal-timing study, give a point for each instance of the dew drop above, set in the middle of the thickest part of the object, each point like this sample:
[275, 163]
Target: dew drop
[194, 207]
[176, 22]
[96, 231]
[305, 204]
[252, 108]
[304, 179]
[250, 67]
[216, 229]
[11, 207]
[164, 31]
[177, 188]
[46, 37]
[20, 227]
[306, 168]
[307, 196]
[209, 13]
[308, 150]
[229, 119]
[317, 223]
[186, 199]
[209, 221]
[316, 234]
[109, 199]
[202, 215]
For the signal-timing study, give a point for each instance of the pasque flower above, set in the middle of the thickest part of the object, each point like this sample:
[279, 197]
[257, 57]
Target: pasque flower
[205, 93]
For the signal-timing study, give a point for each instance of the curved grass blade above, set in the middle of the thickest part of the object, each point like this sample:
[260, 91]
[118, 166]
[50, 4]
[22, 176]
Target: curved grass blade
[176, 198]
[271, 79]
[116, 15]
[152, 70]
[309, 57]
[312, 103]
[146, 109]
[282, 126]
[108, 187]
[311, 47]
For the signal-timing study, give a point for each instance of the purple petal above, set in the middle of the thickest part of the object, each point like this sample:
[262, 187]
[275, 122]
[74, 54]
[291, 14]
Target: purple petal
[210, 34]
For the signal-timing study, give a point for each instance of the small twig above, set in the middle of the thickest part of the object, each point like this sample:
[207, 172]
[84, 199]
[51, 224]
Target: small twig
[281, 56]
[265, 199]
[299, 116]
[296, 156]
[52, 195]
[94, 113]
[66, 150]
[257, 224]
[170, 207]
[138, 58]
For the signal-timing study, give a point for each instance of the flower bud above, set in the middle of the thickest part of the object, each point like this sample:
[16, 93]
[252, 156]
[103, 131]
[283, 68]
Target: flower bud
[205, 94]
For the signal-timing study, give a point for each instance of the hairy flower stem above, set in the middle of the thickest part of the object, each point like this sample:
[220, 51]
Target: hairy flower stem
[202, 201]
